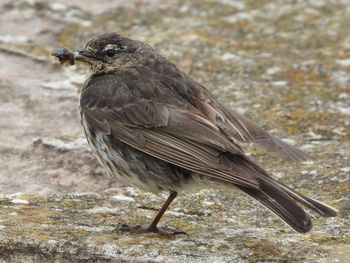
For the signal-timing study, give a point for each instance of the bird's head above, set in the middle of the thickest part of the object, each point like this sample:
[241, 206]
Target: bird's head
[112, 52]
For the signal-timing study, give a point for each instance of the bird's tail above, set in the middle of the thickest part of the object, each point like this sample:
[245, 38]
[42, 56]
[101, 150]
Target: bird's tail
[283, 201]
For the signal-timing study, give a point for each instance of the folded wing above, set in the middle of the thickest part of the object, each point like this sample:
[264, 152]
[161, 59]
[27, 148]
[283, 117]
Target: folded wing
[169, 133]
[240, 128]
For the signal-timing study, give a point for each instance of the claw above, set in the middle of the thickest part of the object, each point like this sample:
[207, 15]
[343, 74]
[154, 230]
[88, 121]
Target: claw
[180, 233]
[155, 230]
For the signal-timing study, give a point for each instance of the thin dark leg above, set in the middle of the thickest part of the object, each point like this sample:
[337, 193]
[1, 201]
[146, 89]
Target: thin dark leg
[152, 228]
[161, 212]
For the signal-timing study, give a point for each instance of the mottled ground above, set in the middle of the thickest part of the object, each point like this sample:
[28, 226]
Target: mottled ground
[285, 64]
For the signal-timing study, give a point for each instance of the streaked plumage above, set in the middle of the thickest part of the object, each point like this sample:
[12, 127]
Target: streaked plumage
[154, 127]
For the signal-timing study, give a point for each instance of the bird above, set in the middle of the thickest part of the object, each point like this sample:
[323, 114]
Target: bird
[152, 126]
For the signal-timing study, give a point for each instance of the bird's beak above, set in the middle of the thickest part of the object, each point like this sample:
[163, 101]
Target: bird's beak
[84, 55]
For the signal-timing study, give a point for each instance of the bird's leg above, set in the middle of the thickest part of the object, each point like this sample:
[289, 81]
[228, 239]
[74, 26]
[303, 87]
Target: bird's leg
[153, 228]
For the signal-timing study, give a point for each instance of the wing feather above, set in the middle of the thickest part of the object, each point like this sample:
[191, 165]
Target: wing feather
[249, 132]
[187, 153]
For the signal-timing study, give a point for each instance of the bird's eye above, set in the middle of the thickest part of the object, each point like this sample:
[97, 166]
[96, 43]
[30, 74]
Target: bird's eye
[110, 52]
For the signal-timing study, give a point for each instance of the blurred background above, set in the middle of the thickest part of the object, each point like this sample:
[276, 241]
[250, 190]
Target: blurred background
[284, 64]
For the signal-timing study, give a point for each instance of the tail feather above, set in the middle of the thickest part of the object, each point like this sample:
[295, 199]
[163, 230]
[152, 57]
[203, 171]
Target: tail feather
[321, 208]
[282, 205]
[283, 200]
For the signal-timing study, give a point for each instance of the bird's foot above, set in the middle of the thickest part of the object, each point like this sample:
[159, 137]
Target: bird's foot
[150, 229]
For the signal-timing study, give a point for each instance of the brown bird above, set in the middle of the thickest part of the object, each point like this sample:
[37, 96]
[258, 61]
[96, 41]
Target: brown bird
[152, 126]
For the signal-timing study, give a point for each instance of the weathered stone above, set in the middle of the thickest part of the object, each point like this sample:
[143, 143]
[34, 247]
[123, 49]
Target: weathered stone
[222, 227]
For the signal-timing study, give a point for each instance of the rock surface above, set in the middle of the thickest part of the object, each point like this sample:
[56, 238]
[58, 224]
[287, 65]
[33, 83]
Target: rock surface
[85, 226]
[284, 64]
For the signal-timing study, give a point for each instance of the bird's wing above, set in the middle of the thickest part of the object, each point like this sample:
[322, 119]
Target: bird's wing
[234, 125]
[240, 128]
[175, 135]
